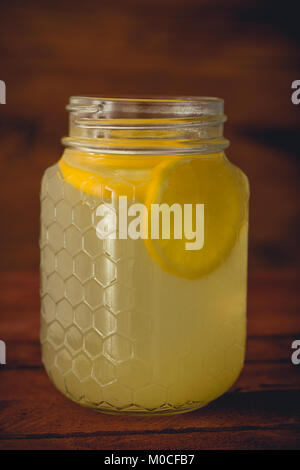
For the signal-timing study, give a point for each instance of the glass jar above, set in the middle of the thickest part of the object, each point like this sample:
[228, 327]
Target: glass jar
[144, 257]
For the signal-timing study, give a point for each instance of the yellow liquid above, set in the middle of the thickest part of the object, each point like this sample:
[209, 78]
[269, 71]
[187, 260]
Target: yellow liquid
[120, 333]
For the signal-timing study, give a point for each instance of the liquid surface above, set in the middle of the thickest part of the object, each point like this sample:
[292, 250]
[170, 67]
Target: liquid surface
[121, 329]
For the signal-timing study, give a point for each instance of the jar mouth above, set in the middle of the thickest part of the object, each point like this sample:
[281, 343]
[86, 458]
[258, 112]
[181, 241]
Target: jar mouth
[151, 107]
[190, 124]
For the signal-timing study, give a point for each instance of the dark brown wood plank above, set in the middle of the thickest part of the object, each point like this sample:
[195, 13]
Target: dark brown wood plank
[266, 439]
[245, 52]
[272, 418]
[266, 394]
[263, 396]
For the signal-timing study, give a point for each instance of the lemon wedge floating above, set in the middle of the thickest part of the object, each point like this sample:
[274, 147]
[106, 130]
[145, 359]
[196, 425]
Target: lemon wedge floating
[209, 180]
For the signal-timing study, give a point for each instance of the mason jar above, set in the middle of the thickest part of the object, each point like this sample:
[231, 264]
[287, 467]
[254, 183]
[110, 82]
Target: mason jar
[143, 242]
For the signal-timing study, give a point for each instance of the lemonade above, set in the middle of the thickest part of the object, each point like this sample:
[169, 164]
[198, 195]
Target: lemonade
[139, 323]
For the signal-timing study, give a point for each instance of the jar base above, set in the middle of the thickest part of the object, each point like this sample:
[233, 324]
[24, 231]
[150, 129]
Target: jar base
[139, 411]
[149, 413]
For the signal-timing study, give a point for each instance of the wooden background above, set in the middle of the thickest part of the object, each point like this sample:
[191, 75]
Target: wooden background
[246, 52]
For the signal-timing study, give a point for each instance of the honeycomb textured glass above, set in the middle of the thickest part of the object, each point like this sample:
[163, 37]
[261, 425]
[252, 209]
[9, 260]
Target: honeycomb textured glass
[120, 334]
[144, 320]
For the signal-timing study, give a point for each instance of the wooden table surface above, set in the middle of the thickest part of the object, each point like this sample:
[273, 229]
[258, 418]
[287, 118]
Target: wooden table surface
[261, 411]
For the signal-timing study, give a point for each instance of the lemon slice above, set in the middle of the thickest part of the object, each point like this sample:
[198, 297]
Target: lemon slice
[208, 180]
[90, 181]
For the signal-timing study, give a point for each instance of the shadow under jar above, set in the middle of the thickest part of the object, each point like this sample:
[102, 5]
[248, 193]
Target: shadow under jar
[143, 241]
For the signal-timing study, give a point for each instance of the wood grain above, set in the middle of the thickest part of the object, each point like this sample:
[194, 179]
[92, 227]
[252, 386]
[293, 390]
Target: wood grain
[261, 411]
[246, 52]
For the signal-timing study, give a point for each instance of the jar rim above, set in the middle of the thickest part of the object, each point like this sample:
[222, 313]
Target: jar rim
[135, 125]
[147, 98]
[148, 106]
